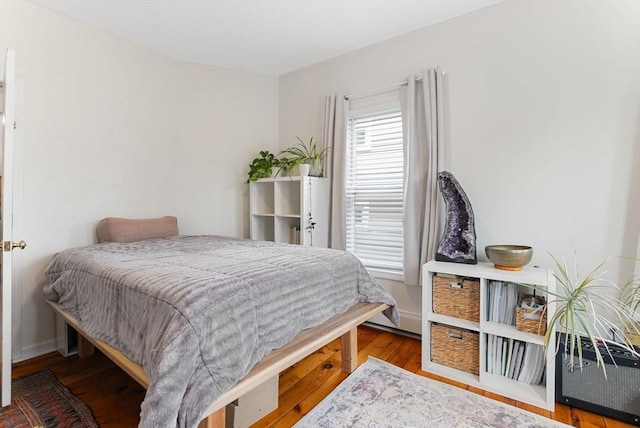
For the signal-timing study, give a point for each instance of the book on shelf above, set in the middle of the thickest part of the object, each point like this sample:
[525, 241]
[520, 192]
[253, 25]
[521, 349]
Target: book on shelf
[539, 366]
[490, 352]
[495, 288]
[515, 359]
[503, 298]
[503, 359]
[532, 365]
[294, 235]
[498, 355]
[509, 309]
[507, 358]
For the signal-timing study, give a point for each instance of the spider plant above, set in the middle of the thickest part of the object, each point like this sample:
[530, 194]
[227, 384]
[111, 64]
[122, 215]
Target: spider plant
[306, 153]
[284, 165]
[630, 296]
[585, 310]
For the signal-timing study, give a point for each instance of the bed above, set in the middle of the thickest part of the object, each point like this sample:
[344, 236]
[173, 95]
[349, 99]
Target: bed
[200, 320]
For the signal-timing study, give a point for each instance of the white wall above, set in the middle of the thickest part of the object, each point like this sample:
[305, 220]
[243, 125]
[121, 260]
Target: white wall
[224, 118]
[545, 108]
[113, 129]
[545, 120]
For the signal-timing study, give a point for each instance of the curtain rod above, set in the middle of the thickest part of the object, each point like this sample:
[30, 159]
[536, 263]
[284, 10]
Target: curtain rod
[381, 90]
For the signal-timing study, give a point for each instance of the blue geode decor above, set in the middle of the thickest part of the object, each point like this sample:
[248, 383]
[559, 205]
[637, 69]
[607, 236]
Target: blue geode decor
[458, 244]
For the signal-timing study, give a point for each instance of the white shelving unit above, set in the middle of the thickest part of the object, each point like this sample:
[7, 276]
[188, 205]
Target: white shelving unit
[280, 205]
[542, 395]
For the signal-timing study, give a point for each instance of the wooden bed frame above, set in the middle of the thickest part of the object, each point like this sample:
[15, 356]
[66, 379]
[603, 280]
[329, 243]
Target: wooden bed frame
[305, 343]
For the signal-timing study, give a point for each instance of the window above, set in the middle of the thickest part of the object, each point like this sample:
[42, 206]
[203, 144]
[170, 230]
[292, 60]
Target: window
[374, 188]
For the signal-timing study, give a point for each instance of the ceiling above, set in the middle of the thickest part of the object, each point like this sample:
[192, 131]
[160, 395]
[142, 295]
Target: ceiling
[272, 37]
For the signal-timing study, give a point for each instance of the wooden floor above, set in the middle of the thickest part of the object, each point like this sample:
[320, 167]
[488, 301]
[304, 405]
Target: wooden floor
[115, 398]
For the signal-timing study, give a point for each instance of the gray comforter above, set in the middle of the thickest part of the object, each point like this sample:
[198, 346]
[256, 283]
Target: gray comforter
[198, 312]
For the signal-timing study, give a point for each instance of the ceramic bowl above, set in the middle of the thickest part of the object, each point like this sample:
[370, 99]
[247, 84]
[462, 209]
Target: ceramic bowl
[509, 257]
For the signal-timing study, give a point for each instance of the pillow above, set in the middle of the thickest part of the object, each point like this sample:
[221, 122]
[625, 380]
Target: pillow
[113, 229]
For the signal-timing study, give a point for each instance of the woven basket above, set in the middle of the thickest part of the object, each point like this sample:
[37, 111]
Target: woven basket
[631, 334]
[528, 319]
[457, 297]
[455, 347]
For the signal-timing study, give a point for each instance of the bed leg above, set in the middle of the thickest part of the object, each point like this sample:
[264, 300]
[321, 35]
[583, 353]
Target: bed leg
[214, 420]
[85, 348]
[350, 350]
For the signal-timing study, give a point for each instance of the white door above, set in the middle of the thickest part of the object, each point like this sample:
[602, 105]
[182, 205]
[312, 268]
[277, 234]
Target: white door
[8, 132]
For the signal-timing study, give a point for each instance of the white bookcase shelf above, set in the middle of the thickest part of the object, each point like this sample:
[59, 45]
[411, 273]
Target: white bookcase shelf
[282, 208]
[539, 395]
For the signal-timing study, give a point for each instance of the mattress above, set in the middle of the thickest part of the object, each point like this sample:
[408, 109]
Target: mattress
[198, 312]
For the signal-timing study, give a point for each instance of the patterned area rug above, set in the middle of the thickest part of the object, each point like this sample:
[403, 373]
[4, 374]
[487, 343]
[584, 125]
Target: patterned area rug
[379, 394]
[39, 400]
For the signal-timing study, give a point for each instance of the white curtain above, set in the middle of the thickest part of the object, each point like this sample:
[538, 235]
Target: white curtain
[423, 119]
[334, 136]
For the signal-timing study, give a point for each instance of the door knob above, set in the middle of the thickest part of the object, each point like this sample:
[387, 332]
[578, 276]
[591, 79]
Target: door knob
[8, 245]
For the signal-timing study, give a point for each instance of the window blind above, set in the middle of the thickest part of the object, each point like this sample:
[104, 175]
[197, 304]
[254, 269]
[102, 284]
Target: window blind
[374, 189]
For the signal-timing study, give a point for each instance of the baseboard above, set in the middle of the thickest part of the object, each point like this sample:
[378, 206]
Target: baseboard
[393, 330]
[409, 322]
[36, 350]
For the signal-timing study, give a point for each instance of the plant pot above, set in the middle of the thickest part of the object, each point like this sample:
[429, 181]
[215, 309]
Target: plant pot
[315, 169]
[303, 170]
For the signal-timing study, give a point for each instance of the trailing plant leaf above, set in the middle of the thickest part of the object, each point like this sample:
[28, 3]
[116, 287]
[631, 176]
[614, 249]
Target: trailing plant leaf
[284, 165]
[261, 166]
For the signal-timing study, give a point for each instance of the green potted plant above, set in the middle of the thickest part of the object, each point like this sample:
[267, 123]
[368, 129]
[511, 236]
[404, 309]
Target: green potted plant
[585, 309]
[306, 153]
[630, 296]
[261, 166]
[285, 165]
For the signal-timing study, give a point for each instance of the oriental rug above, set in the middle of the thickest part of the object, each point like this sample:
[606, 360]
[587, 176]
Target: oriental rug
[40, 400]
[379, 394]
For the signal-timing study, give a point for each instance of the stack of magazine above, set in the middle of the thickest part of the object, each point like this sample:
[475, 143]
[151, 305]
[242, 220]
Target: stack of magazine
[503, 298]
[515, 359]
